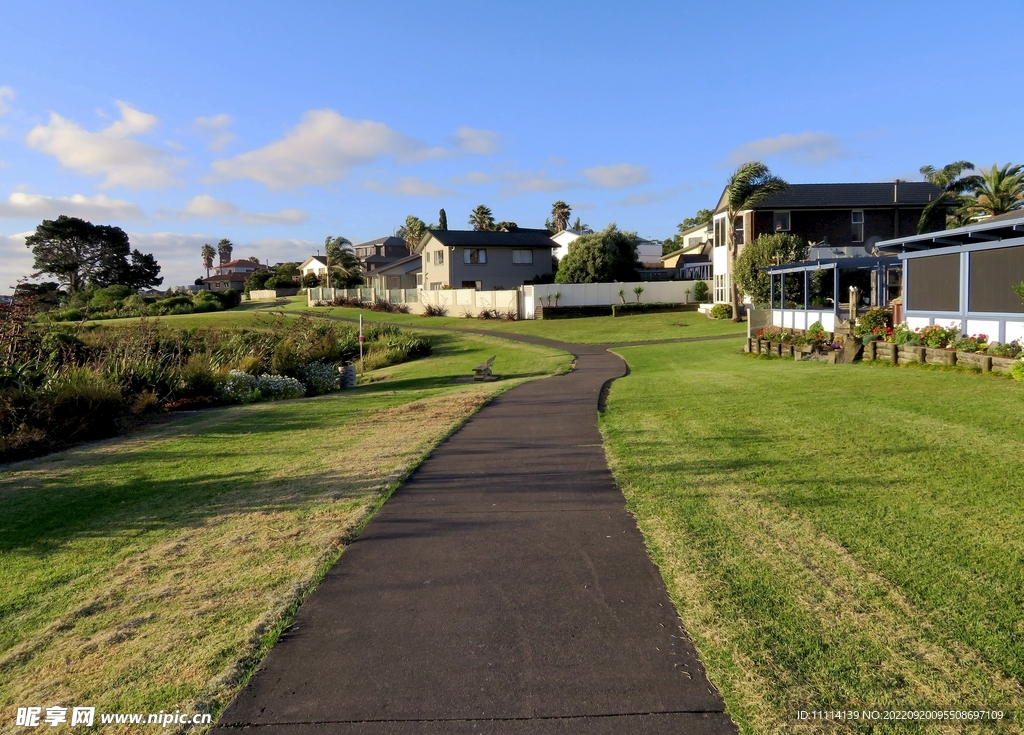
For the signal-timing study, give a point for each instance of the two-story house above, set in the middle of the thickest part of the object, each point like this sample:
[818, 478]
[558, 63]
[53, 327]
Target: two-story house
[381, 252]
[838, 220]
[484, 260]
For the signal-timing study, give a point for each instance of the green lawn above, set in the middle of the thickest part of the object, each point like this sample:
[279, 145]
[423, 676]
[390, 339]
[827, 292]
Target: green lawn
[591, 330]
[834, 537]
[151, 572]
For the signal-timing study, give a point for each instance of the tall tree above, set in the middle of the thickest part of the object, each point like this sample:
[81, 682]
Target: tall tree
[208, 253]
[412, 231]
[601, 257]
[481, 218]
[80, 253]
[560, 212]
[224, 248]
[954, 185]
[702, 217]
[442, 220]
[999, 190]
[749, 185]
[766, 250]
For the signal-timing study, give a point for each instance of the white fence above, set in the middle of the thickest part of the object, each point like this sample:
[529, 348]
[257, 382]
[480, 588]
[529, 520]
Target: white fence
[460, 301]
[604, 294]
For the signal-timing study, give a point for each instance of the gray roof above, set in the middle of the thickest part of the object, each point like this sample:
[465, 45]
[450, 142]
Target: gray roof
[405, 265]
[389, 240]
[1009, 226]
[518, 238]
[842, 196]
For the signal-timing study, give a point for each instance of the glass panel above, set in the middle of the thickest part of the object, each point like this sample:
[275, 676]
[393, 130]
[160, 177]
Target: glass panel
[794, 290]
[822, 287]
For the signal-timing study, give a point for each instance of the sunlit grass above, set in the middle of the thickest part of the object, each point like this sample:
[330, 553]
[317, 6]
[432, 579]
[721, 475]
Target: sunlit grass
[151, 572]
[835, 537]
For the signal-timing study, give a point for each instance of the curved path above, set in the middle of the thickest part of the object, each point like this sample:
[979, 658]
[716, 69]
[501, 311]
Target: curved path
[503, 589]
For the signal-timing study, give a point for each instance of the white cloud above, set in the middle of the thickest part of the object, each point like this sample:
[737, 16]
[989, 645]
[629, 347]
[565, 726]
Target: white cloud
[810, 149]
[322, 148]
[535, 181]
[112, 152]
[474, 140]
[15, 260]
[410, 186]
[616, 176]
[473, 177]
[215, 130]
[6, 93]
[205, 206]
[22, 205]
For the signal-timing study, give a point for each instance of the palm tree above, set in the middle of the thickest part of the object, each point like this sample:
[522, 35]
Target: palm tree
[341, 259]
[578, 226]
[999, 190]
[224, 248]
[481, 218]
[207, 252]
[413, 231]
[954, 185]
[749, 185]
[560, 212]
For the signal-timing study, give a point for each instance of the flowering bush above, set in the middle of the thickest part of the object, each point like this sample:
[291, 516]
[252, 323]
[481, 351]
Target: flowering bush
[320, 378]
[870, 321]
[240, 387]
[936, 336]
[883, 333]
[904, 335]
[774, 334]
[278, 387]
[974, 343]
[1017, 371]
[1008, 349]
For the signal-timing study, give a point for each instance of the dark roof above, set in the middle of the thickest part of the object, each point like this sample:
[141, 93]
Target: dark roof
[413, 260]
[389, 240]
[842, 196]
[518, 238]
[227, 277]
[993, 229]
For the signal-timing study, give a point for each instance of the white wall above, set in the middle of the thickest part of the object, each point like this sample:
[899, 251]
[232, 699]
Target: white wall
[604, 294]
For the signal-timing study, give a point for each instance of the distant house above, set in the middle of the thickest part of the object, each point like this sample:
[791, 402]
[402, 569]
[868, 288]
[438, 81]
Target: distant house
[563, 238]
[839, 220]
[692, 261]
[381, 252]
[484, 260]
[399, 274]
[226, 282]
[237, 266]
[315, 265]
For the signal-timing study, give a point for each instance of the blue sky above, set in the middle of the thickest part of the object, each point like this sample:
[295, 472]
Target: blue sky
[277, 125]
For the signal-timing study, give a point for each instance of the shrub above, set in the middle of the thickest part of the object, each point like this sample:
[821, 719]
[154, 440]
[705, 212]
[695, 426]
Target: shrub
[320, 378]
[974, 343]
[936, 336]
[432, 310]
[1017, 371]
[379, 304]
[870, 321]
[904, 335]
[278, 387]
[488, 314]
[198, 378]
[721, 311]
[700, 291]
[1008, 349]
[239, 387]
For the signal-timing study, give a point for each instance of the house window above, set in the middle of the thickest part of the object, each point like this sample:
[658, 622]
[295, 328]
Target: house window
[475, 256]
[737, 229]
[721, 289]
[781, 221]
[523, 257]
[439, 257]
[857, 225]
[475, 285]
[436, 286]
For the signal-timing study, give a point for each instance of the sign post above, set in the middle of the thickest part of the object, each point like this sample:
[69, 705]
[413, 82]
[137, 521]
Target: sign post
[360, 343]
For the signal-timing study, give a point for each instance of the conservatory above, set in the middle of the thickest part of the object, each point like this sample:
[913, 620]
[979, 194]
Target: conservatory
[830, 290]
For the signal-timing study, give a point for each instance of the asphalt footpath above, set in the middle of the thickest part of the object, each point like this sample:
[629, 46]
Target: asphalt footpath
[503, 589]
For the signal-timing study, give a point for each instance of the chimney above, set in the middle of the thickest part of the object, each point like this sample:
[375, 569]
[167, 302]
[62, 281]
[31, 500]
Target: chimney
[896, 191]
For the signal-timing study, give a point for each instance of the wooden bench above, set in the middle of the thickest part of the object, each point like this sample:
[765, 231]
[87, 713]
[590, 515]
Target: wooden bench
[483, 372]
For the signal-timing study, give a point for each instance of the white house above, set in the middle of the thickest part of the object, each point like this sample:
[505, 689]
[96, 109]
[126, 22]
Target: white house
[313, 265]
